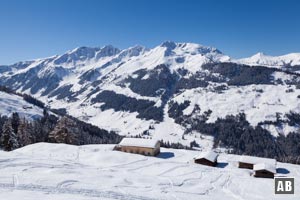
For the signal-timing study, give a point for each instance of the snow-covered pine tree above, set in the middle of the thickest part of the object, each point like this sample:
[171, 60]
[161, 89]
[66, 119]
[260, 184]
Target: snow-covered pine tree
[24, 133]
[8, 138]
[66, 131]
[15, 121]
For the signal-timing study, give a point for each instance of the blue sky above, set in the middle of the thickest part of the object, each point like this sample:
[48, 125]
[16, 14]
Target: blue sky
[40, 28]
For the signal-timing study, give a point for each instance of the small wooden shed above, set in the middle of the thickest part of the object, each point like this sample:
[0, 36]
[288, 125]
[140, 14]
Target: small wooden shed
[248, 162]
[208, 158]
[148, 147]
[264, 170]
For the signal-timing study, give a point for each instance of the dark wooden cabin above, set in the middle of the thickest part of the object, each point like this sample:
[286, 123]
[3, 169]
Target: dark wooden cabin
[248, 162]
[246, 165]
[263, 170]
[142, 146]
[207, 158]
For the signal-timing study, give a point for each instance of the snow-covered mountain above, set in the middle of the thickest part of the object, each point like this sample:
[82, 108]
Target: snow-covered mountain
[288, 60]
[92, 172]
[163, 91]
[10, 103]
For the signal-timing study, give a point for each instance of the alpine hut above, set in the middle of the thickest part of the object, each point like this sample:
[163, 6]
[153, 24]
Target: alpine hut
[248, 162]
[207, 158]
[148, 147]
[264, 170]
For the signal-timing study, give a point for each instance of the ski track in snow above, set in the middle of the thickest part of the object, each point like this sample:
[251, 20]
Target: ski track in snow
[100, 173]
[84, 192]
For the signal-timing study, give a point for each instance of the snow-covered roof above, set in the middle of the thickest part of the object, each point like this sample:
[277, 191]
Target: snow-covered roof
[208, 155]
[264, 166]
[139, 142]
[256, 160]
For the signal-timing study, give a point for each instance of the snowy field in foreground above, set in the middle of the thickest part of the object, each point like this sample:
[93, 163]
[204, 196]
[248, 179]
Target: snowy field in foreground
[61, 172]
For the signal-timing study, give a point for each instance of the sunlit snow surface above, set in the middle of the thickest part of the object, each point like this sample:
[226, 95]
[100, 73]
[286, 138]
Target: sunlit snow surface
[61, 172]
[272, 61]
[10, 103]
[109, 68]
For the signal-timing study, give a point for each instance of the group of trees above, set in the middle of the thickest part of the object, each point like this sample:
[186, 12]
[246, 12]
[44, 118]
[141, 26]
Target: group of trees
[235, 133]
[119, 102]
[177, 145]
[238, 135]
[240, 75]
[16, 132]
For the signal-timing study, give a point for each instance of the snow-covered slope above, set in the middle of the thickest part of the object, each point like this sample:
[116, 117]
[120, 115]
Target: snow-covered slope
[10, 103]
[138, 90]
[73, 80]
[59, 171]
[291, 59]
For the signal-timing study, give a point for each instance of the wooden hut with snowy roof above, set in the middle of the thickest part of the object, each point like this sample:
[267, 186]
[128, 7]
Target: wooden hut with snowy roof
[248, 162]
[264, 170]
[208, 158]
[148, 147]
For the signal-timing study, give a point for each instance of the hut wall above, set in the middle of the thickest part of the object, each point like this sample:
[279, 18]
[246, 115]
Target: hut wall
[263, 174]
[140, 150]
[245, 165]
[205, 162]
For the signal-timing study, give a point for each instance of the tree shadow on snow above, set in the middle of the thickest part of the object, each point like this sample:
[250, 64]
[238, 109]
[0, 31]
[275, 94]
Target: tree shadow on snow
[221, 165]
[282, 171]
[165, 155]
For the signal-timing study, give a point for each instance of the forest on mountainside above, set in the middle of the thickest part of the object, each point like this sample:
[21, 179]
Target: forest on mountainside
[237, 135]
[16, 132]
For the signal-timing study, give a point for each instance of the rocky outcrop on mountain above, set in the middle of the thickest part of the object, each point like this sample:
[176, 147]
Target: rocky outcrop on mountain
[170, 92]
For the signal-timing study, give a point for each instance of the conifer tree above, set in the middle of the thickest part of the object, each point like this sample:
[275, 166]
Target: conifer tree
[15, 121]
[24, 134]
[8, 138]
[66, 131]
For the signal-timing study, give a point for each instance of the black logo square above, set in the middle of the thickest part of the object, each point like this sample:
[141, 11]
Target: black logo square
[284, 185]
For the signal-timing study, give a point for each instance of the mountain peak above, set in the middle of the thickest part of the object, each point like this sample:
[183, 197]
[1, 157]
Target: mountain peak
[169, 44]
[107, 50]
[272, 61]
[109, 47]
[259, 55]
[192, 48]
[133, 51]
[82, 48]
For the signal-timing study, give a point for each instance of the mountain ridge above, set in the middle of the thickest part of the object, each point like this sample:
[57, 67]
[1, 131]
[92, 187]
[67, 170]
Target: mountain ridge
[252, 60]
[164, 91]
[260, 58]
